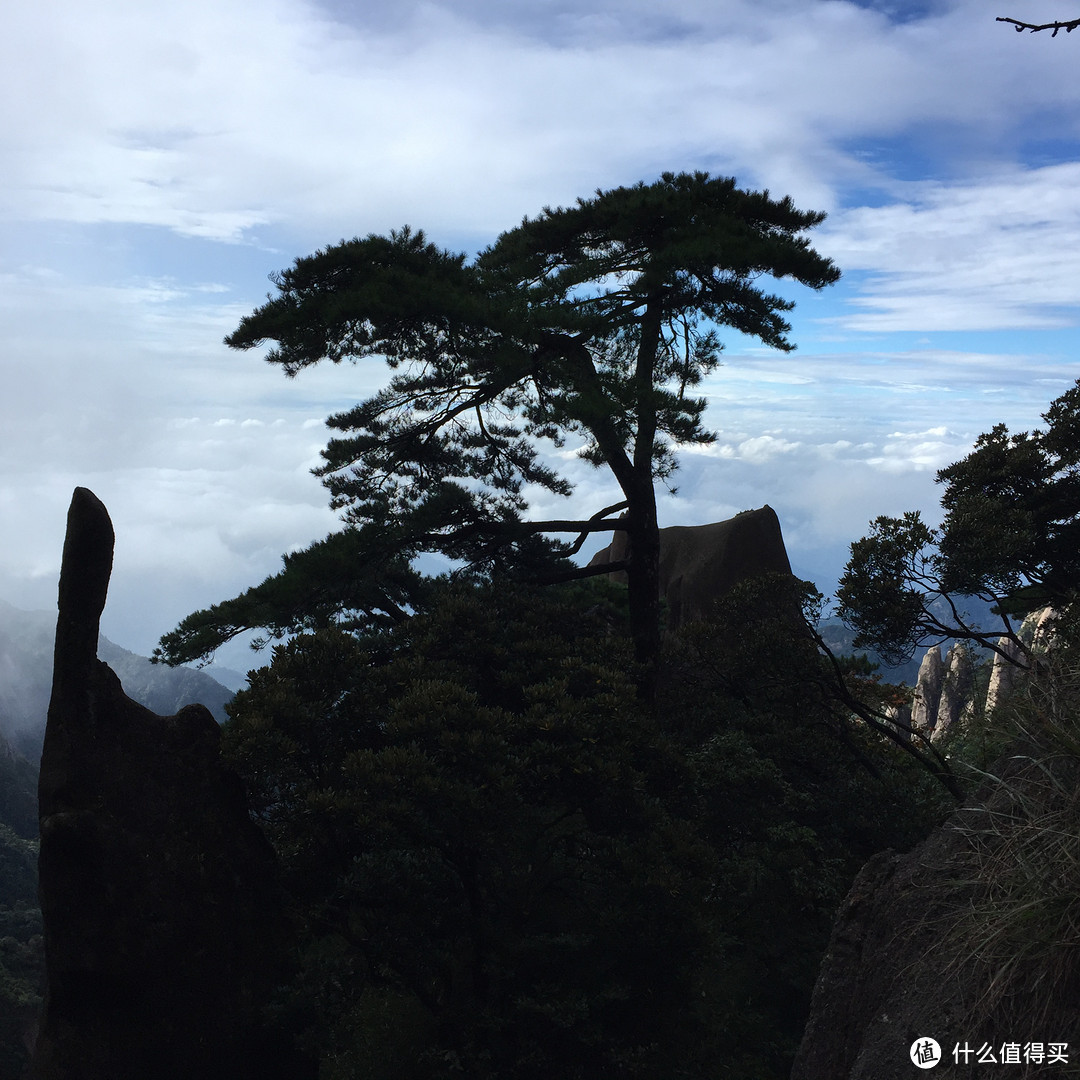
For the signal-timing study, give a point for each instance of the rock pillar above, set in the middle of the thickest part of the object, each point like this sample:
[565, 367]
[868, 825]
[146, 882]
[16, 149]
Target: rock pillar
[924, 705]
[1002, 673]
[163, 929]
[957, 689]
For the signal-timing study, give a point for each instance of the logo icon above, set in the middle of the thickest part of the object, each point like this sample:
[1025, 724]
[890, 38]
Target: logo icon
[925, 1053]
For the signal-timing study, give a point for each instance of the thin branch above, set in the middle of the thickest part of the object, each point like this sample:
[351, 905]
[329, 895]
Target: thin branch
[597, 523]
[1068, 25]
[502, 533]
[935, 764]
[986, 639]
[596, 517]
[554, 577]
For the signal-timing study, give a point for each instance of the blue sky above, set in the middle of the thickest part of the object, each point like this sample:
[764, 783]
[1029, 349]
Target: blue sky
[159, 161]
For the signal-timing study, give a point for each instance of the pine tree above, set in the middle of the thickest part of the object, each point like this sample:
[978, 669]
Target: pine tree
[594, 321]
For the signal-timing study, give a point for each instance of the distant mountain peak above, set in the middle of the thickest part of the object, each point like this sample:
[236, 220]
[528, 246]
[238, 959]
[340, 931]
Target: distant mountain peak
[26, 658]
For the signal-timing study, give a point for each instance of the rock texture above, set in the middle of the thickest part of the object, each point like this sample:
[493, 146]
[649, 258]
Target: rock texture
[1003, 673]
[944, 691]
[902, 963]
[956, 704]
[163, 935]
[699, 563]
[924, 705]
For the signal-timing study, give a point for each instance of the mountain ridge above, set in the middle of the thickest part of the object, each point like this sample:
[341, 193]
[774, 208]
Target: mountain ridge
[26, 658]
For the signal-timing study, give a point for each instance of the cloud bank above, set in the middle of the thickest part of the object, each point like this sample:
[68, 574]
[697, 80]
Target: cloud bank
[159, 162]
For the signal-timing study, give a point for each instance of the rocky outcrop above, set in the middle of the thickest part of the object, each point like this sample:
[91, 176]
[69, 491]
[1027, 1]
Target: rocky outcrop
[905, 960]
[163, 932]
[944, 691]
[956, 704]
[924, 705]
[1003, 673]
[700, 563]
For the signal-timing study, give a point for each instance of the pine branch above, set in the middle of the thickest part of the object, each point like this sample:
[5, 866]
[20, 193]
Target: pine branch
[929, 757]
[578, 573]
[598, 516]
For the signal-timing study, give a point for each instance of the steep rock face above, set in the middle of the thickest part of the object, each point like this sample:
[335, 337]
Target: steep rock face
[902, 964]
[163, 936]
[1003, 673]
[944, 690]
[956, 704]
[699, 563]
[924, 705]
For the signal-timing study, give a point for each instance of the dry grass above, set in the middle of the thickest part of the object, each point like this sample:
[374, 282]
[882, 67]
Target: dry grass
[1016, 944]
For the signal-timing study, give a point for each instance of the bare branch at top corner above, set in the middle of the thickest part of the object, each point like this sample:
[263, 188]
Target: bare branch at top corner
[1068, 25]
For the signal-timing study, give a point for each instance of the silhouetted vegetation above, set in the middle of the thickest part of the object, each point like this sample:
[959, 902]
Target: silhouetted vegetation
[593, 322]
[21, 953]
[506, 865]
[1010, 538]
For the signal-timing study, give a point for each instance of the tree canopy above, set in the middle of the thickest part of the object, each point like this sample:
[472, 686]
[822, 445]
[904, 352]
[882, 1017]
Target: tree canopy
[1010, 537]
[592, 322]
[502, 864]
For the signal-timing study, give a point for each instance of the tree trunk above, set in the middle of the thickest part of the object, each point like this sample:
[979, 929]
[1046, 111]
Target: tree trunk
[643, 580]
[635, 478]
[644, 530]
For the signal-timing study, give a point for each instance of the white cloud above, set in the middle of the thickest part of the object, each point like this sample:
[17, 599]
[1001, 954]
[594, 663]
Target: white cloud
[214, 119]
[158, 161]
[919, 451]
[757, 449]
[1001, 252]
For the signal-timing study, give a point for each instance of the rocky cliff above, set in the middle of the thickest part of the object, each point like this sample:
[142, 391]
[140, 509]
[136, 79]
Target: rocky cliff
[700, 563]
[970, 940]
[163, 932]
[967, 940]
[947, 692]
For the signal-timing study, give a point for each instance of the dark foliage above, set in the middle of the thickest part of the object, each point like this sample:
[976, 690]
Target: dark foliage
[22, 960]
[594, 321]
[506, 867]
[352, 579]
[796, 793]
[1010, 537]
[479, 841]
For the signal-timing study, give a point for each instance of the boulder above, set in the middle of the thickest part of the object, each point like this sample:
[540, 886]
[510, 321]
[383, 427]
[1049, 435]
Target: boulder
[700, 563]
[164, 933]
